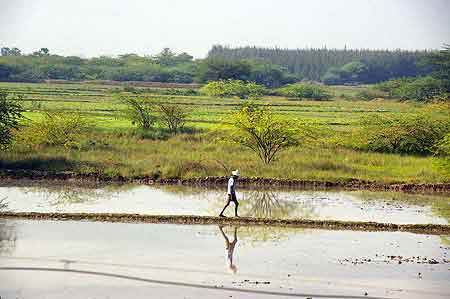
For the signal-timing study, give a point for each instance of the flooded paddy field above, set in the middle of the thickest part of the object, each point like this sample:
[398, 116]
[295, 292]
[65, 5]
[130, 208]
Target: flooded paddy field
[72, 259]
[387, 207]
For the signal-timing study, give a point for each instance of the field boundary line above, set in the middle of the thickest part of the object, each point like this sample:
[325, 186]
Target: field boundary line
[435, 229]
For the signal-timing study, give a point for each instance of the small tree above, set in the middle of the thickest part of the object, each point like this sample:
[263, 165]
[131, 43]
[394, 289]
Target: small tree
[260, 130]
[10, 114]
[139, 111]
[42, 52]
[172, 116]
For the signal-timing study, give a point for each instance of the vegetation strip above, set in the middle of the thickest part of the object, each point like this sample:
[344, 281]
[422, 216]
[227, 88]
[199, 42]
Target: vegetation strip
[437, 229]
[34, 175]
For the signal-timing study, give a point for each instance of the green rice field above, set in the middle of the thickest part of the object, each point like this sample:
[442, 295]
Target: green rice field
[113, 149]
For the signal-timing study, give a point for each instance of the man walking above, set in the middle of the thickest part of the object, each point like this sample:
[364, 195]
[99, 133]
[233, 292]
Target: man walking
[231, 193]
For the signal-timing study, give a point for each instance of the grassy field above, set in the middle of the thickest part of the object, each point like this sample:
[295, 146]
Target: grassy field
[112, 148]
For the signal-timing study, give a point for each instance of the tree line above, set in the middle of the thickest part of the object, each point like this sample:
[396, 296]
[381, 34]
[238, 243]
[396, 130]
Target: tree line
[166, 66]
[334, 66]
[272, 68]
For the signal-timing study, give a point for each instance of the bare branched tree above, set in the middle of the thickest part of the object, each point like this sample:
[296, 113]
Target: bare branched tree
[172, 116]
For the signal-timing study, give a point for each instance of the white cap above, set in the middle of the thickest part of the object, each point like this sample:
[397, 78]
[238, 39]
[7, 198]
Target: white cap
[235, 172]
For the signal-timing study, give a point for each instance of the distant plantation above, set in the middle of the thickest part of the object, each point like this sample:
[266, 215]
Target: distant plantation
[334, 66]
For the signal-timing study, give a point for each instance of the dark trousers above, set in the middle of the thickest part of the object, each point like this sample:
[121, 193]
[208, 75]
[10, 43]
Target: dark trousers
[231, 198]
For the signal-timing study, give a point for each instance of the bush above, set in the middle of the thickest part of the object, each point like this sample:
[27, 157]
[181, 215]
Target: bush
[172, 116]
[370, 94]
[10, 114]
[56, 129]
[415, 134]
[139, 112]
[420, 89]
[231, 88]
[304, 91]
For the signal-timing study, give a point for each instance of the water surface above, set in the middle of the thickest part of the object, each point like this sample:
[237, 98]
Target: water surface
[181, 200]
[294, 261]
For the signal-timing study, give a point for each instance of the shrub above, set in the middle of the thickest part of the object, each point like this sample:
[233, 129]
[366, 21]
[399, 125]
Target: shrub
[304, 91]
[10, 114]
[231, 88]
[139, 112]
[56, 129]
[172, 116]
[370, 94]
[420, 89]
[413, 134]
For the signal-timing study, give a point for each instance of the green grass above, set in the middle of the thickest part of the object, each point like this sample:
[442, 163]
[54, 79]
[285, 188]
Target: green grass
[112, 149]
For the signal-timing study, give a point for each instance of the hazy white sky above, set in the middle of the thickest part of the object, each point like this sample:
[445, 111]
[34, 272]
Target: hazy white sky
[95, 27]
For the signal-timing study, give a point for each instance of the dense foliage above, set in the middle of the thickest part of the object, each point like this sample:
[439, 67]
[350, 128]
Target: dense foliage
[440, 63]
[334, 66]
[421, 89]
[56, 129]
[232, 88]
[304, 91]
[164, 67]
[259, 71]
[409, 134]
[41, 65]
[10, 114]
[272, 68]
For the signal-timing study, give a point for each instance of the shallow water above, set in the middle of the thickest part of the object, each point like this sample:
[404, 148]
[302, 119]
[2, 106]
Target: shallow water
[310, 262]
[181, 200]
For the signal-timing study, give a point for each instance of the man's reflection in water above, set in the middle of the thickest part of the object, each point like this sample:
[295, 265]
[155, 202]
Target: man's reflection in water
[230, 249]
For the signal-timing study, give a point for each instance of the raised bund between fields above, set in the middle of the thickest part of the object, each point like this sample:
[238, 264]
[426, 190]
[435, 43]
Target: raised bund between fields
[434, 229]
[15, 176]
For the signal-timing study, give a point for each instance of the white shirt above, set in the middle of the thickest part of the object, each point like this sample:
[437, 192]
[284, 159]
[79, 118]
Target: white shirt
[231, 186]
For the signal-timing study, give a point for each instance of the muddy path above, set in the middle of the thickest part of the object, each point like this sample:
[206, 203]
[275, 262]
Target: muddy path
[16, 176]
[436, 229]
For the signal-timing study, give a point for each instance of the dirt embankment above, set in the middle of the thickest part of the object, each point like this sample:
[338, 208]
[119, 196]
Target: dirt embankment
[437, 229]
[27, 175]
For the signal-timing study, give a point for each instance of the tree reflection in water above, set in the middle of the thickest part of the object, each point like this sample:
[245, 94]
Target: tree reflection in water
[60, 195]
[7, 232]
[268, 204]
